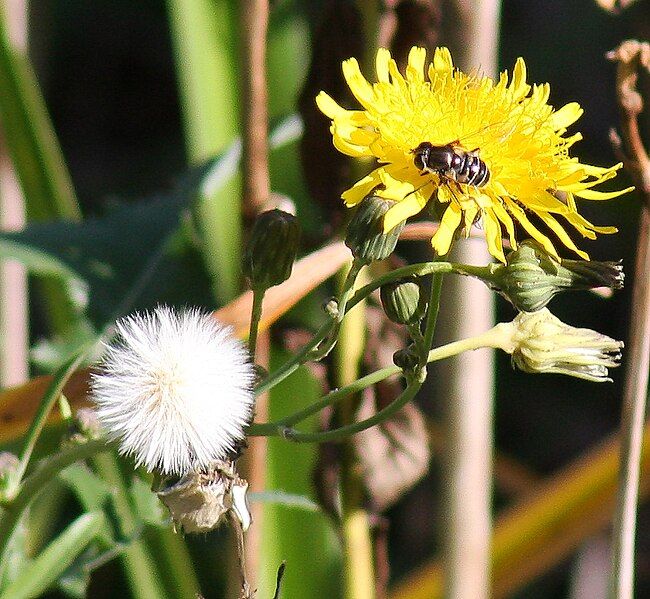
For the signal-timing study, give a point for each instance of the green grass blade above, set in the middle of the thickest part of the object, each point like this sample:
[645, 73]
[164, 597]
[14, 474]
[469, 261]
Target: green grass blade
[42, 572]
[31, 140]
[313, 560]
[204, 35]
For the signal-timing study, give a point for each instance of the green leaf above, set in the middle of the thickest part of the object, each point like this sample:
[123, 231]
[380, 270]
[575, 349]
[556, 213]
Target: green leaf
[316, 556]
[204, 34]
[43, 571]
[15, 556]
[113, 254]
[285, 499]
[30, 138]
[146, 505]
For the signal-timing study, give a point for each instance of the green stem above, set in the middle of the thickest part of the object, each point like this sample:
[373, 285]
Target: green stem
[291, 365]
[342, 433]
[282, 428]
[332, 398]
[256, 314]
[36, 482]
[349, 300]
[139, 565]
[326, 333]
[432, 311]
[47, 403]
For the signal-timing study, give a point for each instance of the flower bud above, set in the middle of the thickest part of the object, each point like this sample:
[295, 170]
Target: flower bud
[406, 359]
[540, 342]
[365, 235]
[9, 463]
[531, 276]
[403, 301]
[271, 250]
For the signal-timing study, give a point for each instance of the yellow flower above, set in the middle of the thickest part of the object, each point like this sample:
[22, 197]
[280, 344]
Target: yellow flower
[518, 135]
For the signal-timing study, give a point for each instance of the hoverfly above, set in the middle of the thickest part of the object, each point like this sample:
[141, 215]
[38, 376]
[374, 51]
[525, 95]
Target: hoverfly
[452, 162]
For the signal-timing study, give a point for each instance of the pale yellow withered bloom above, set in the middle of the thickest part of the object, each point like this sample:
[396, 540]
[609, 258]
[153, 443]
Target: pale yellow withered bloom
[541, 343]
[519, 136]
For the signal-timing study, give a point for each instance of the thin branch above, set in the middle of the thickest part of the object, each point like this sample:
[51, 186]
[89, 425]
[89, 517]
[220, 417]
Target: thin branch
[255, 20]
[632, 57]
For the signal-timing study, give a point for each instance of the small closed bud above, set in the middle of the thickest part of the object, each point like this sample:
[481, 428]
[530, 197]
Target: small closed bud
[365, 235]
[406, 359]
[272, 248]
[403, 301]
[531, 276]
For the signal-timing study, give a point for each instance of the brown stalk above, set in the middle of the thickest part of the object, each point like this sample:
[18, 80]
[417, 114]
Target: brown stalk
[633, 58]
[254, 18]
[13, 281]
[465, 383]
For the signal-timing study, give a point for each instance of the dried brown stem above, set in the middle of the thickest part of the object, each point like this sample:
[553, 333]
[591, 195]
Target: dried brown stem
[255, 20]
[254, 17]
[632, 57]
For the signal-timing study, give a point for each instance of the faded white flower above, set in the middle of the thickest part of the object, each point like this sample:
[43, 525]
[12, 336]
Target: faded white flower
[175, 390]
[541, 342]
[200, 501]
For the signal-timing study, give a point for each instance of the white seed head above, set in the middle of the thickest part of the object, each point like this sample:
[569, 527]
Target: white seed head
[174, 389]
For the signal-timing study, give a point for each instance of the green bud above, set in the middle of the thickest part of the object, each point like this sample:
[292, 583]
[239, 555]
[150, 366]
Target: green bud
[365, 235]
[271, 249]
[403, 301]
[532, 277]
[406, 359]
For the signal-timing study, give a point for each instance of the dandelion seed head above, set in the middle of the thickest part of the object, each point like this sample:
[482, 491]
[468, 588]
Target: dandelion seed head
[174, 389]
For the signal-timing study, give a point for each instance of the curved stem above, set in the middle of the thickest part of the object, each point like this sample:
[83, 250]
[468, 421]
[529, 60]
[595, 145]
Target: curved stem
[47, 403]
[349, 301]
[342, 433]
[282, 428]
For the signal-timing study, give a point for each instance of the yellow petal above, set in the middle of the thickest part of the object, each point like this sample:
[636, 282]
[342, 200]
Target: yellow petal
[557, 228]
[415, 67]
[520, 215]
[565, 116]
[442, 60]
[398, 213]
[493, 235]
[345, 147]
[443, 237]
[583, 225]
[357, 83]
[361, 189]
[469, 216]
[381, 64]
[502, 214]
[592, 194]
[518, 85]
[328, 106]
